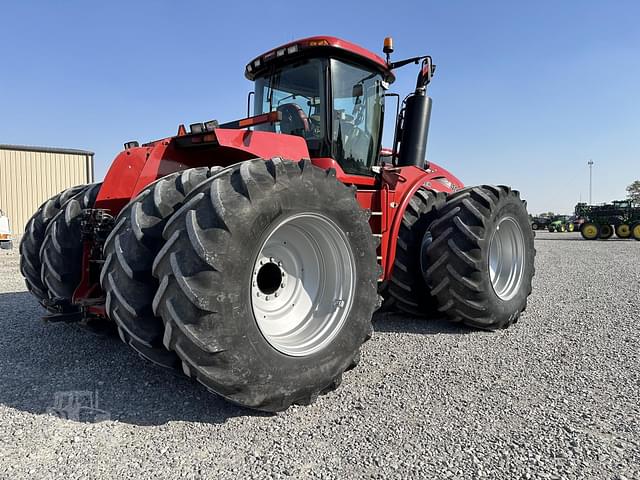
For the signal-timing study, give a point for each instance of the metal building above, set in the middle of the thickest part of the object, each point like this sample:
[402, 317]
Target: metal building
[30, 175]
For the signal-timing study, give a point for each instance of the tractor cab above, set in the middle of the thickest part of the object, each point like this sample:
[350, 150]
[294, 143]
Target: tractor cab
[329, 92]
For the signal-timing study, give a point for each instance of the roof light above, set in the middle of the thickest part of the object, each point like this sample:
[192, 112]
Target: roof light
[256, 63]
[387, 48]
[131, 144]
[249, 68]
[292, 49]
[388, 45]
[211, 125]
[196, 128]
[280, 52]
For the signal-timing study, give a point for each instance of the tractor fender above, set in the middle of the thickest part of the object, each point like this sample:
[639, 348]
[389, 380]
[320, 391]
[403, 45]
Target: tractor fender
[410, 180]
[135, 168]
[121, 179]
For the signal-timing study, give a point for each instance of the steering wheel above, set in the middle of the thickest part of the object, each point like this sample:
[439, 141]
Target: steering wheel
[294, 120]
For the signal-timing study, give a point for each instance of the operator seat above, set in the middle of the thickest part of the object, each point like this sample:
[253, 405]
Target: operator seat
[294, 120]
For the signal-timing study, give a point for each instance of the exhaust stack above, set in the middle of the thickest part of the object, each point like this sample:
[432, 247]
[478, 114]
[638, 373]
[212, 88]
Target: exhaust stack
[415, 129]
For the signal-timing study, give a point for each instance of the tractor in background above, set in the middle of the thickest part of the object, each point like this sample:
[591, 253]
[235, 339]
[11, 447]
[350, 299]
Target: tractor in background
[621, 217]
[252, 254]
[540, 222]
[564, 223]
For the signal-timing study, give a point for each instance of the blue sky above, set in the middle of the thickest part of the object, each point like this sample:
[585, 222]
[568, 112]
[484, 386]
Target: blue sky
[525, 92]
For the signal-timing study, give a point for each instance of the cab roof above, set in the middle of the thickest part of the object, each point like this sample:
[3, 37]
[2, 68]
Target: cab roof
[318, 46]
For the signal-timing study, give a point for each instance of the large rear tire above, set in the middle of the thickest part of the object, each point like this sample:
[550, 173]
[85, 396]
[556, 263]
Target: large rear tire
[481, 261]
[129, 252]
[635, 230]
[34, 232]
[62, 248]
[259, 229]
[407, 285]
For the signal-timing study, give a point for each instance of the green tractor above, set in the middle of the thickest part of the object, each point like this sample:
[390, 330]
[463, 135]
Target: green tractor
[561, 224]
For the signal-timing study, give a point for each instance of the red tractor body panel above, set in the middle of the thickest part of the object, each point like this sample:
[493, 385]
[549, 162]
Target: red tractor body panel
[135, 168]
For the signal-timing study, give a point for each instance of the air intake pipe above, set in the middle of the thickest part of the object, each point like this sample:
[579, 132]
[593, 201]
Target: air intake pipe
[414, 129]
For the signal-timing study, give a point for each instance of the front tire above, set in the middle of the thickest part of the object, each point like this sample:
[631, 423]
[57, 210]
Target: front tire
[481, 261]
[635, 230]
[129, 252]
[213, 285]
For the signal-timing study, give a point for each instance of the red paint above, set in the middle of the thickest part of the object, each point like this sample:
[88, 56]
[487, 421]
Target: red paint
[358, 180]
[87, 291]
[403, 182]
[118, 184]
[264, 144]
[134, 169]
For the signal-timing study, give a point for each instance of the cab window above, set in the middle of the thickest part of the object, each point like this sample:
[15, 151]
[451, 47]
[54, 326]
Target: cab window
[357, 110]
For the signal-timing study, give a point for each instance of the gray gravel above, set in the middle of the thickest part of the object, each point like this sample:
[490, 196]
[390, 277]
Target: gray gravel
[555, 396]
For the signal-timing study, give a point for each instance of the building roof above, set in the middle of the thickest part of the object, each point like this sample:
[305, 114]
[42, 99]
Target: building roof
[29, 148]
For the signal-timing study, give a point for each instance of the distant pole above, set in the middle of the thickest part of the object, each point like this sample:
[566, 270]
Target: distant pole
[590, 163]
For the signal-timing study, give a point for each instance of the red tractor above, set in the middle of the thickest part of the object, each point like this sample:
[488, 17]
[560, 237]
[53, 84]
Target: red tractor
[252, 254]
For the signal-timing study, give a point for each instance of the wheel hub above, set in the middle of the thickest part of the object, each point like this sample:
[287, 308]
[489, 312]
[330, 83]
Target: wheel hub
[506, 258]
[303, 281]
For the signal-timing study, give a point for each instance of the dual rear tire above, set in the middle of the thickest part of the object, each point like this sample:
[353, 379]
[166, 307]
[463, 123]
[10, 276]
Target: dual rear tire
[51, 249]
[255, 230]
[129, 252]
[468, 256]
[480, 264]
[35, 231]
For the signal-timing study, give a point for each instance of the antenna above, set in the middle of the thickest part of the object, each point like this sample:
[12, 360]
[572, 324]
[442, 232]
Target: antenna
[590, 163]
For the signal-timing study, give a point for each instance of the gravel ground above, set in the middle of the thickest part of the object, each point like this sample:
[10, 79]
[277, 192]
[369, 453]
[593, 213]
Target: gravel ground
[555, 396]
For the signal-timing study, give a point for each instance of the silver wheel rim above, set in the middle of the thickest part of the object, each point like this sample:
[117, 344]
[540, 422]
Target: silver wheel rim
[302, 285]
[506, 258]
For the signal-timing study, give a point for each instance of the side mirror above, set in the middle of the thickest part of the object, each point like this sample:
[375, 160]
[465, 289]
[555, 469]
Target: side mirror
[358, 90]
